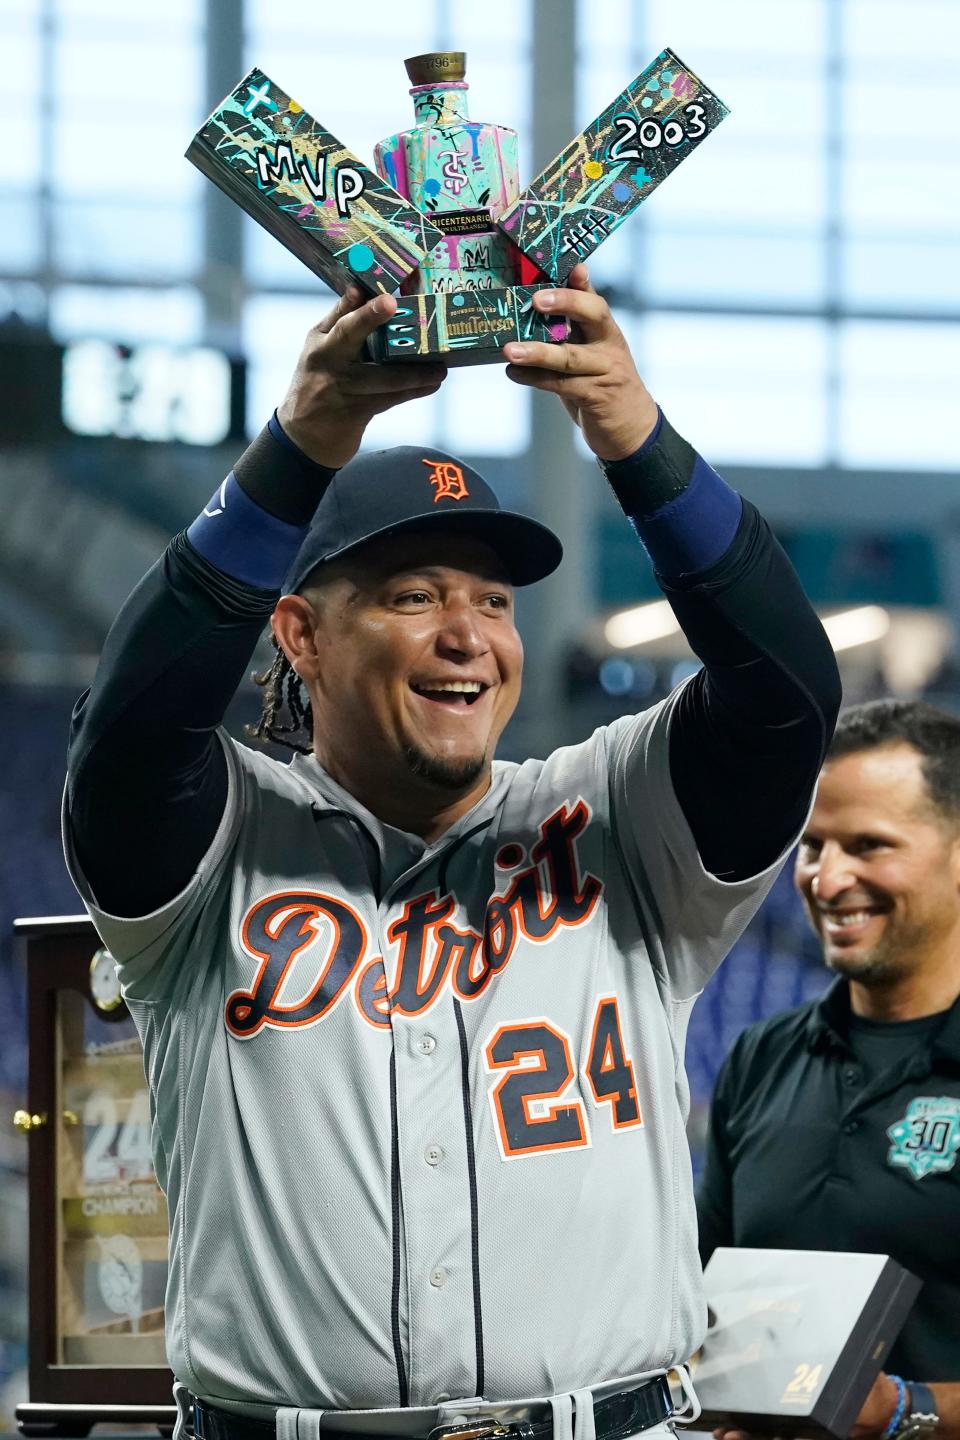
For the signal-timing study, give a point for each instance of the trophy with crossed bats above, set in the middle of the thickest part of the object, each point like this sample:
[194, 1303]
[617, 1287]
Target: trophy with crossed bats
[441, 218]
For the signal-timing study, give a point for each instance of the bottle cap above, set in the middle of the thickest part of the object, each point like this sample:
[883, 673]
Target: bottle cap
[435, 68]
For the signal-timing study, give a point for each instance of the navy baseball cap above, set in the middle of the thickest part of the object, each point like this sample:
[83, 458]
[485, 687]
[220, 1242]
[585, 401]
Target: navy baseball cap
[389, 492]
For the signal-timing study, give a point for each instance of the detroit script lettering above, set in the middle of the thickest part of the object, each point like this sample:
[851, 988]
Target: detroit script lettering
[433, 954]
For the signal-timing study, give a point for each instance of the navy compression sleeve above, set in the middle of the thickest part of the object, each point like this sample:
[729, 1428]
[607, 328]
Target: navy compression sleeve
[147, 777]
[751, 729]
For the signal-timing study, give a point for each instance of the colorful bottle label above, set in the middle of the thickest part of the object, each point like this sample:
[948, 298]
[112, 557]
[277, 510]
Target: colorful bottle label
[462, 174]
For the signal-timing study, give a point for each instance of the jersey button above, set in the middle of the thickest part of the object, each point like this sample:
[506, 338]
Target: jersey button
[433, 1154]
[851, 1127]
[426, 1044]
[438, 1277]
[851, 1075]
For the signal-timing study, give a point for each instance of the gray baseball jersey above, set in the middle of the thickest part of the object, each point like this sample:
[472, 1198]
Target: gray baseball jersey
[419, 1109]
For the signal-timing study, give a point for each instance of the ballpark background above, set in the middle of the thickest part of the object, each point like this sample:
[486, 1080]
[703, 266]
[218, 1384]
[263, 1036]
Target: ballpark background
[792, 297]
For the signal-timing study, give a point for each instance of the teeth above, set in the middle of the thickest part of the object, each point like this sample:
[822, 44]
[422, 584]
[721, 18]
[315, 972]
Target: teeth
[852, 917]
[459, 687]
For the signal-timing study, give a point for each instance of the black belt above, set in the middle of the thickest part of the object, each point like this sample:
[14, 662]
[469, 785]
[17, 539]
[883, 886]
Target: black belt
[615, 1418]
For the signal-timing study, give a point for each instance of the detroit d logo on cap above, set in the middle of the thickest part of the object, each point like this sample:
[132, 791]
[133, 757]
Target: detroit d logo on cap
[447, 480]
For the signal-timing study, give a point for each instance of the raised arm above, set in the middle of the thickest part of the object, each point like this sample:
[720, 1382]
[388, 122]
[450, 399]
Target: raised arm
[750, 732]
[147, 777]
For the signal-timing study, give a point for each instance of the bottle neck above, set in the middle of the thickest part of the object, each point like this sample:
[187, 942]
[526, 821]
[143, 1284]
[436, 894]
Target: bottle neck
[444, 104]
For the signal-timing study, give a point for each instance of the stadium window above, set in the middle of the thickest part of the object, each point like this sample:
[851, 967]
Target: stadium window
[129, 315]
[127, 93]
[830, 196]
[751, 388]
[899, 383]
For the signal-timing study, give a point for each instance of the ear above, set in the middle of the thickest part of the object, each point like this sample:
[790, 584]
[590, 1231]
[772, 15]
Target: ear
[295, 628]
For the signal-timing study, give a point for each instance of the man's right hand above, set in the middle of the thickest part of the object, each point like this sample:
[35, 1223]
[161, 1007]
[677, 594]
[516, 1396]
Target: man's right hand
[333, 395]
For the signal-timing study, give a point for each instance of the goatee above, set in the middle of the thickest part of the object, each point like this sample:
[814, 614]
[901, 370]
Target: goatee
[876, 969]
[445, 774]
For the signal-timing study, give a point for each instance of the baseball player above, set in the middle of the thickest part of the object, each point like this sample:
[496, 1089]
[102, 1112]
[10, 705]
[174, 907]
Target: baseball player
[413, 1018]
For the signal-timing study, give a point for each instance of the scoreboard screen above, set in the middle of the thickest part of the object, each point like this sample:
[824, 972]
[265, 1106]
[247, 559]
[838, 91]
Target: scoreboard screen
[165, 393]
[147, 392]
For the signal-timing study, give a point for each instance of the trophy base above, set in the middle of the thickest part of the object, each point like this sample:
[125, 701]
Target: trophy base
[464, 327]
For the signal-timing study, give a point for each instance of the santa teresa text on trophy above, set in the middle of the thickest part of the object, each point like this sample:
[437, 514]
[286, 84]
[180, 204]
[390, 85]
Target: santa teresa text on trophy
[442, 218]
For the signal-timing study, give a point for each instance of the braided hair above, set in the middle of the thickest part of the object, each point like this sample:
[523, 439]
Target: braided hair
[282, 686]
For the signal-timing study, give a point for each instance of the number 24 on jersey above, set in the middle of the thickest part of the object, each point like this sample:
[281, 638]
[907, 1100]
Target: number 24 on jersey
[532, 1108]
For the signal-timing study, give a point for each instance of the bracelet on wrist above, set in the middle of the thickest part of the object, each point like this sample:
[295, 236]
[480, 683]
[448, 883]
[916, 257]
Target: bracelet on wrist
[899, 1408]
[916, 1416]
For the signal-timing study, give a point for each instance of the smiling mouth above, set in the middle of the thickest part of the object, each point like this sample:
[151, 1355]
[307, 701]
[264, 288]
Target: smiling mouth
[454, 695]
[847, 924]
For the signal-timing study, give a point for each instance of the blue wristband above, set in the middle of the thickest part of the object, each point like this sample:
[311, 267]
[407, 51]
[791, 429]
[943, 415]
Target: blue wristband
[684, 513]
[694, 531]
[901, 1406]
[243, 540]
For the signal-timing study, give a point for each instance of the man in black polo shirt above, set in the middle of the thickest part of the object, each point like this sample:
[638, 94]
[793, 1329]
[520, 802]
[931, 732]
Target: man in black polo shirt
[836, 1126]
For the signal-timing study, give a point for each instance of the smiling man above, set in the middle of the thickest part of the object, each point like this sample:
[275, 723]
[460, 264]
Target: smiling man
[411, 1014]
[414, 667]
[879, 864]
[836, 1126]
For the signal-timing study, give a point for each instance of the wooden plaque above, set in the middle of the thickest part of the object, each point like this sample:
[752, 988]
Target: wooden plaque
[98, 1218]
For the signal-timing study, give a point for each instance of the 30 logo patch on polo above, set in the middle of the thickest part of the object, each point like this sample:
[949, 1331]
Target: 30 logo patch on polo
[927, 1139]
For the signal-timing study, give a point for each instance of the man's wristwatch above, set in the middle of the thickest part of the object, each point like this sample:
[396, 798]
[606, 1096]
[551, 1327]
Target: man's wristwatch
[920, 1419]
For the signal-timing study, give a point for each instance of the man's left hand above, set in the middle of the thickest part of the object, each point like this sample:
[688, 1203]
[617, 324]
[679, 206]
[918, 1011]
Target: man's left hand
[593, 372]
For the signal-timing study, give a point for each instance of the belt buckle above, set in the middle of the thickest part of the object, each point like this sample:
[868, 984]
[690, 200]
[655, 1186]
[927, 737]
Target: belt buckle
[477, 1430]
